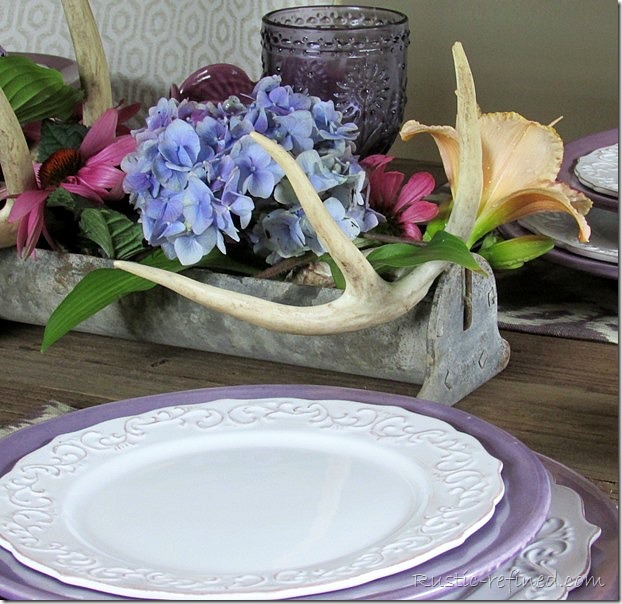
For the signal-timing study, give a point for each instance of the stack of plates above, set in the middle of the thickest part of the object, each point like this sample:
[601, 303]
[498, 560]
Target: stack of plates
[591, 166]
[273, 492]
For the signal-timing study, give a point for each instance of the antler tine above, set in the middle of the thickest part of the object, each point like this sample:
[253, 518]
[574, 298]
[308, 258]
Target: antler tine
[469, 188]
[16, 166]
[368, 300]
[468, 191]
[91, 59]
[346, 313]
[357, 271]
[365, 301]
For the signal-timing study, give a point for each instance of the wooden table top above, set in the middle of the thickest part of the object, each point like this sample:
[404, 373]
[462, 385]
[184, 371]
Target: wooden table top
[559, 396]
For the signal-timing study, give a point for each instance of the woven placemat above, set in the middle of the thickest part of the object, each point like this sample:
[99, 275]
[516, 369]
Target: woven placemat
[48, 410]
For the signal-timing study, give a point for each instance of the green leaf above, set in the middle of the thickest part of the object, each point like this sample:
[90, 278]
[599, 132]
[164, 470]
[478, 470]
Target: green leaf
[117, 235]
[36, 92]
[61, 198]
[513, 253]
[102, 287]
[55, 136]
[335, 271]
[443, 246]
[439, 222]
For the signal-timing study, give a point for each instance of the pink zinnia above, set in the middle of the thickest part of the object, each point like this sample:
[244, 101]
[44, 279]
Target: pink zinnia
[402, 206]
[91, 171]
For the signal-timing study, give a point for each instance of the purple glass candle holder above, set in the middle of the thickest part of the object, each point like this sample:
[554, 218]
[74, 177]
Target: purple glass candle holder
[352, 55]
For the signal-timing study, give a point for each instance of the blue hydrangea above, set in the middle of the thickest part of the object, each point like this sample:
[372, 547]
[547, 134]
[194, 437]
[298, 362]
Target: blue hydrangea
[199, 182]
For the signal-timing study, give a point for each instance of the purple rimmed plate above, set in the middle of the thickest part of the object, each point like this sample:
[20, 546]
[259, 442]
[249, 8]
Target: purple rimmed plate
[602, 582]
[67, 67]
[577, 149]
[517, 518]
[558, 255]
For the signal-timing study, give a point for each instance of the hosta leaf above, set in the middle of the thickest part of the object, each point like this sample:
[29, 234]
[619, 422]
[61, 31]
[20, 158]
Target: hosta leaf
[513, 253]
[36, 92]
[443, 246]
[117, 235]
[104, 286]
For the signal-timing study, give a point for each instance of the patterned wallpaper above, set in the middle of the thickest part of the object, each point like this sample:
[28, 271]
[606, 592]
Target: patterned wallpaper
[549, 59]
[149, 43]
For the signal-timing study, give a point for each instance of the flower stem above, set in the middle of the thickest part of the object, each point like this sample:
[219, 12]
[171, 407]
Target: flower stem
[286, 265]
[390, 239]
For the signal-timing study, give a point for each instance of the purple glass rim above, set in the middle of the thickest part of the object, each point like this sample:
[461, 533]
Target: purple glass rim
[565, 258]
[517, 518]
[399, 18]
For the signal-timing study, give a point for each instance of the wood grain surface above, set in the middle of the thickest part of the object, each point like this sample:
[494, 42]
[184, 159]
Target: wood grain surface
[559, 396]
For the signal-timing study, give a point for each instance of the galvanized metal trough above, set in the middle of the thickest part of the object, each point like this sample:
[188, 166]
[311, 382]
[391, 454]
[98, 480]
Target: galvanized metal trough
[449, 344]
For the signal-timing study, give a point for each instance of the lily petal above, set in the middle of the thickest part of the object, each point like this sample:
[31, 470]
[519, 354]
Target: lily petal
[517, 154]
[446, 139]
[525, 202]
[580, 202]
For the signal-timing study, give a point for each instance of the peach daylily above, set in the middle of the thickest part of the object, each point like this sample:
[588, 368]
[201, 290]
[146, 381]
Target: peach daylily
[521, 160]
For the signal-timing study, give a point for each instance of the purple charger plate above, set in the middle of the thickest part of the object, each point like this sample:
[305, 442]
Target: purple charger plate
[603, 580]
[576, 149]
[67, 67]
[517, 517]
[558, 255]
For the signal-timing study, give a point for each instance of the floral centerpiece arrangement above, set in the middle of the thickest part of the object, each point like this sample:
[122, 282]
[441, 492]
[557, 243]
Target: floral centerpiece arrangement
[228, 185]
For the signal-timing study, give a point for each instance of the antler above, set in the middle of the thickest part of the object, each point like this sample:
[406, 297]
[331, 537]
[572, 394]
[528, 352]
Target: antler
[91, 59]
[16, 166]
[368, 300]
[95, 78]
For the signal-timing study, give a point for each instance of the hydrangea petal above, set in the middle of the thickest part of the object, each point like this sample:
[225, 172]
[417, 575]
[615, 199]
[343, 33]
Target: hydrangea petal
[188, 250]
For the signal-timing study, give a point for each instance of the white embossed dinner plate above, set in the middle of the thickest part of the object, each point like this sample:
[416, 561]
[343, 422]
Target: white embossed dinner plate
[598, 170]
[603, 244]
[264, 498]
[575, 150]
[556, 562]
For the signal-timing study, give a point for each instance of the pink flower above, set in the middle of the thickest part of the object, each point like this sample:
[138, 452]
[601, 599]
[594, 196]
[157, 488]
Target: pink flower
[92, 171]
[402, 206]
